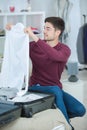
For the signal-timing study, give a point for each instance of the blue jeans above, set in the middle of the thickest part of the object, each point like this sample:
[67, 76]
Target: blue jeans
[69, 106]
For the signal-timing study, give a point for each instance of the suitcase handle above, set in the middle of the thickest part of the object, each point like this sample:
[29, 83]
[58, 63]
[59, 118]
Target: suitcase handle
[7, 120]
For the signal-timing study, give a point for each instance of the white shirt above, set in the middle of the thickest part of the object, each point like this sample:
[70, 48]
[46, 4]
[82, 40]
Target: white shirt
[15, 66]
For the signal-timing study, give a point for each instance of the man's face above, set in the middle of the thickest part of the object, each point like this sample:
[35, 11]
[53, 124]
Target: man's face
[49, 32]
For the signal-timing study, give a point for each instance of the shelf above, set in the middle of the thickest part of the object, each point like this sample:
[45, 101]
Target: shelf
[2, 37]
[20, 13]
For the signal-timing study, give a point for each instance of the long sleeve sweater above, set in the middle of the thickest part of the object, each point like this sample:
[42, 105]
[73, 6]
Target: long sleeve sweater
[48, 63]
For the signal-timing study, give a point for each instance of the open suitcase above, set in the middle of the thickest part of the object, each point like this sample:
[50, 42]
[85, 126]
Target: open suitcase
[33, 102]
[24, 106]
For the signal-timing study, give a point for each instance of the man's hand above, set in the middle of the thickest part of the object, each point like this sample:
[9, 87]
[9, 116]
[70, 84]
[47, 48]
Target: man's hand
[9, 26]
[29, 31]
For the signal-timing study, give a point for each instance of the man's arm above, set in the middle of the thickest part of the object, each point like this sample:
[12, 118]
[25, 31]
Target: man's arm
[29, 31]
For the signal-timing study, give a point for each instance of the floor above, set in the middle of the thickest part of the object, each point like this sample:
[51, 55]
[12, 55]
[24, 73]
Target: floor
[80, 123]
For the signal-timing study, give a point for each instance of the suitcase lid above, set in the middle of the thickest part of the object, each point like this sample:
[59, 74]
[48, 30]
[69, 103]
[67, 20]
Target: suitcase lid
[8, 112]
[7, 107]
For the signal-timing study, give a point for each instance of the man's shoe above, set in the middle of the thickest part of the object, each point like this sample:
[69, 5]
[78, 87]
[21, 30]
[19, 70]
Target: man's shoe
[72, 128]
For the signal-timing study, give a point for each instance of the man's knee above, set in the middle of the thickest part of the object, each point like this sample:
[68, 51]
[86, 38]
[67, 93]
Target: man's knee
[81, 110]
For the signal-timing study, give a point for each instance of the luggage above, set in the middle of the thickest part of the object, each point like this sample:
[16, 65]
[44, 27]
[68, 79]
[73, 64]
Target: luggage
[34, 102]
[24, 106]
[85, 43]
[31, 102]
[8, 112]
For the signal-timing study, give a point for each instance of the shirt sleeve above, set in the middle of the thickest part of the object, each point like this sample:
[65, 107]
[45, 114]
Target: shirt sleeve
[62, 54]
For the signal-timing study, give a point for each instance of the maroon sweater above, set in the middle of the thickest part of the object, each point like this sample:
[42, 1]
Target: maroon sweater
[48, 63]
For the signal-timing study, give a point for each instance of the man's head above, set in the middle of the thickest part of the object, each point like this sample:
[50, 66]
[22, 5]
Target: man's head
[54, 27]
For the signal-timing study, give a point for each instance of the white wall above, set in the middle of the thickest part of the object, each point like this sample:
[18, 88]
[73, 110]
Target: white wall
[49, 6]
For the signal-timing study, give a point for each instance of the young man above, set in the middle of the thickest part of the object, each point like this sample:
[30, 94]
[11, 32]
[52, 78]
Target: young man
[49, 58]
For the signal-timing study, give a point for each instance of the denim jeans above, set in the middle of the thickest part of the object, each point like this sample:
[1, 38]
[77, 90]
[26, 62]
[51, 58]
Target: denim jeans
[69, 106]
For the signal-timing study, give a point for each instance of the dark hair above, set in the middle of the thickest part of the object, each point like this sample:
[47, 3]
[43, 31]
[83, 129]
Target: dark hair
[57, 22]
